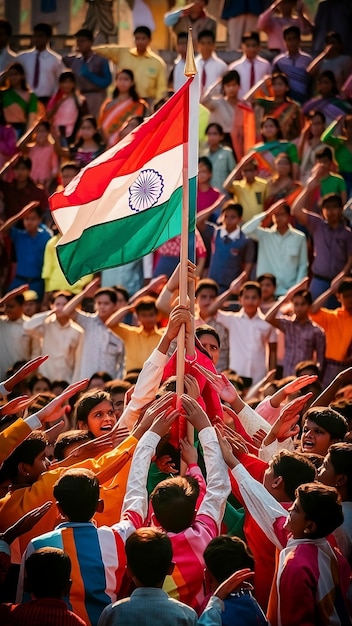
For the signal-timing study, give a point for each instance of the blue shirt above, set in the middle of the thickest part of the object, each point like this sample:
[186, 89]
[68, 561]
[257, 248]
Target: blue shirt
[29, 251]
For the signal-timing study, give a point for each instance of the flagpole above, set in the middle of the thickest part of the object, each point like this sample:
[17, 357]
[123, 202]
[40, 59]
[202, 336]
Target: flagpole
[189, 71]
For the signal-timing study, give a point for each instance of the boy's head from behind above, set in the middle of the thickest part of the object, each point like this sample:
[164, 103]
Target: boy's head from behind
[250, 296]
[174, 501]
[149, 557]
[77, 495]
[225, 555]
[48, 572]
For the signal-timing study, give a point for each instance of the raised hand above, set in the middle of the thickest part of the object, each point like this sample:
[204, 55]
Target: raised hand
[23, 372]
[220, 383]
[56, 408]
[189, 453]
[194, 413]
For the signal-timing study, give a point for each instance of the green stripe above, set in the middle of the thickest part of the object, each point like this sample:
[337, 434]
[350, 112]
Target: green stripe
[124, 240]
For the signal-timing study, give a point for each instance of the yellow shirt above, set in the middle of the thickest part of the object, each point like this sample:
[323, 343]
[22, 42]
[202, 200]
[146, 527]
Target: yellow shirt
[138, 344]
[149, 69]
[250, 196]
[52, 272]
[338, 331]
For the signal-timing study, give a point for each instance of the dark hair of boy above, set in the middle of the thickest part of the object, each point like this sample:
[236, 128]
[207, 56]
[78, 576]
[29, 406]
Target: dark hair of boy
[225, 555]
[123, 291]
[26, 161]
[107, 291]
[251, 285]
[143, 30]
[294, 468]
[70, 165]
[254, 35]
[77, 494]
[307, 365]
[341, 459]
[231, 75]
[26, 452]
[215, 125]
[43, 28]
[206, 34]
[149, 556]
[117, 386]
[292, 30]
[305, 294]
[147, 303]
[66, 439]
[329, 420]
[232, 206]
[322, 506]
[345, 285]
[174, 501]
[207, 283]
[48, 572]
[86, 33]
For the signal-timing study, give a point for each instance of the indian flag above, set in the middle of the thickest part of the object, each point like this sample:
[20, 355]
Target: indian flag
[128, 201]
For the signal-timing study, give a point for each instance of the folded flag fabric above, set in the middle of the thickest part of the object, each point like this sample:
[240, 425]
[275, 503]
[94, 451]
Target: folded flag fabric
[128, 201]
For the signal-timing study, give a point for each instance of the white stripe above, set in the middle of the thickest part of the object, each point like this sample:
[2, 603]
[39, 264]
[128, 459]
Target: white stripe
[114, 203]
[193, 127]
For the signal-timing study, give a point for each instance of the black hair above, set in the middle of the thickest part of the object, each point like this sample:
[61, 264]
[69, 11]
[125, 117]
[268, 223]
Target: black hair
[292, 30]
[231, 75]
[217, 126]
[117, 386]
[182, 35]
[77, 493]
[147, 303]
[345, 285]
[46, 125]
[36, 378]
[149, 556]
[86, 33]
[174, 501]
[332, 78]
[225, 555]
[107, 291]
[204, 329]
[65, 294]
[251, 284]
[205, 161]
[17, 67]
[233, 206]
[341, 459]
[67, 75]
[305, 294]
[26, 452]
[87, 402]
[276, 123]
[321, 505]
[329, 198]
[43, 28]
[70, 165]
[320, 114]
[96, 137]
[207, 283]
[123, 291]
[132, 92]
[325, 152]
[251, 35]
[26, 161]
[267, 276]
[328, 419]
[48, 572]
[67, 438]
[143, 30]
[295, 470]
[206, 33]
[302, 365]
[6, 27]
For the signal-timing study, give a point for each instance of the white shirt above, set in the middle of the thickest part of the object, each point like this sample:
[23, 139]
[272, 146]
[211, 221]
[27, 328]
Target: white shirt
[243, 67]
[51, 66]
[248, 341]
[15, 345]
[214, 68]
[61, 343]
[101, 350]
[7, 57]
[179, 78]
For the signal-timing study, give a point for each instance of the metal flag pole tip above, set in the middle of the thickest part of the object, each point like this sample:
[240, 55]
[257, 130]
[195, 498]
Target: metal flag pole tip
[190, 66]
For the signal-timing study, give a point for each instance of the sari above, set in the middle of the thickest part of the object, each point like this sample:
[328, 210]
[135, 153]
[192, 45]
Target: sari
[17, 111]
[332, 107]
[287, 114]
[114, 114]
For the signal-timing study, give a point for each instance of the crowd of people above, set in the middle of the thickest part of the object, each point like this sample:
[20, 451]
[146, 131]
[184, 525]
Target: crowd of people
[229, 502]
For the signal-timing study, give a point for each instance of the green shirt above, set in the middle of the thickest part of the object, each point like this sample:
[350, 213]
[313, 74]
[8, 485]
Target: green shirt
[332, 183]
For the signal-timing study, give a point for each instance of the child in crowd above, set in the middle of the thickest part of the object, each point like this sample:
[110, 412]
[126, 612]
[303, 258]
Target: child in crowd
[247, 187]
[321, 428]
[206, 292]
[149, 561]
[223, 556]
[141, 340]
[267, 284]
[66, 108]
[45, 162]
[233, 252]
[29, 243]
[304, 340]
[250, 336]
[220, 156]
[48, 579]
